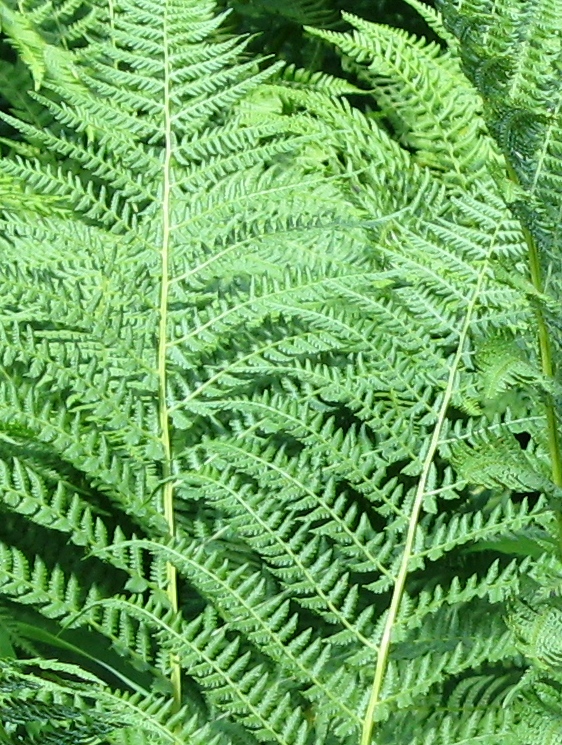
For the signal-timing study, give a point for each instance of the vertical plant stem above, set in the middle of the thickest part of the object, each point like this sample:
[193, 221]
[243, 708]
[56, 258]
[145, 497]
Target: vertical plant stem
[168, 493]
[547, 362]
[547, 366]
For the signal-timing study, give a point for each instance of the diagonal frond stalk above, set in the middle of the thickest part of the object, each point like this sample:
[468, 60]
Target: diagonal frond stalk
[399, 585]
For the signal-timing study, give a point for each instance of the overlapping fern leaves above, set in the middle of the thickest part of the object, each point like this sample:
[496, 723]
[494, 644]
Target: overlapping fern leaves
[245, 385]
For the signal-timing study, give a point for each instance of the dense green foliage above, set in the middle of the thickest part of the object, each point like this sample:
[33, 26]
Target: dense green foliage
[279, 27]
[279, 392]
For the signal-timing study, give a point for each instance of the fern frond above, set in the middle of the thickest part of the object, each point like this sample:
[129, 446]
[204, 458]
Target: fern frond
[242, 403]
[410, 80]
[520, 86]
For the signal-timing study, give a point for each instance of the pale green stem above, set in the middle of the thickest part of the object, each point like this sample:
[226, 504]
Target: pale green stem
[168, 493]
[399, 585]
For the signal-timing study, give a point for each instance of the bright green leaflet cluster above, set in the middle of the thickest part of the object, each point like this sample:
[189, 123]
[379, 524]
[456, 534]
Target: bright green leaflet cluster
[278, 394]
